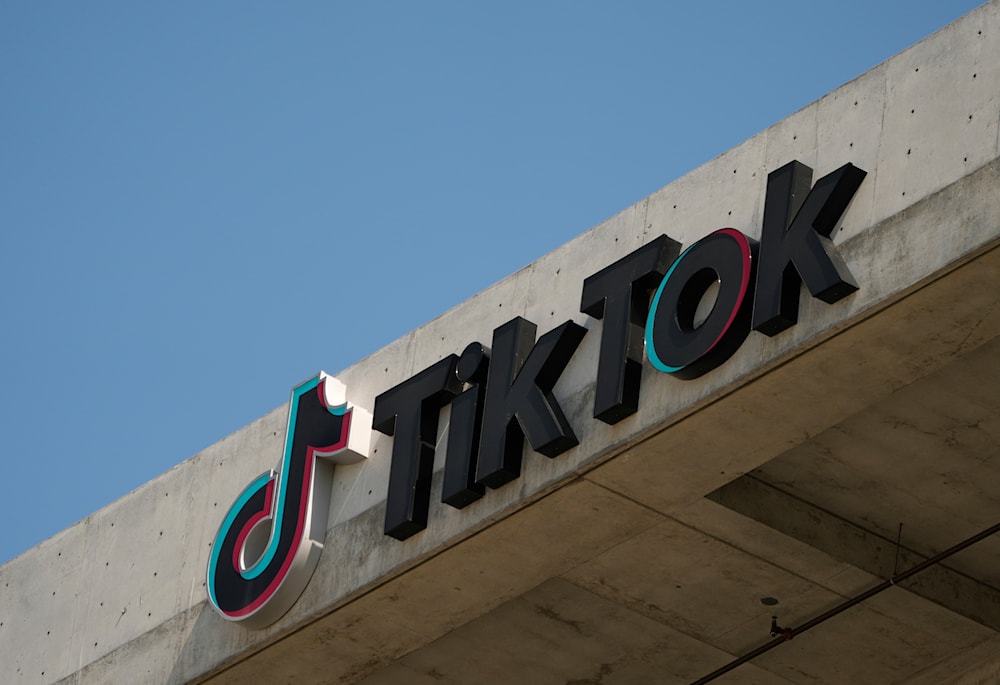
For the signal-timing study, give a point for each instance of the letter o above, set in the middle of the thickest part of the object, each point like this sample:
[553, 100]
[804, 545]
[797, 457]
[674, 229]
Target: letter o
[674, 344]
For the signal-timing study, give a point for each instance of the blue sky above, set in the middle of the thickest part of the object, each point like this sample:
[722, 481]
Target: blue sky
[198, 200]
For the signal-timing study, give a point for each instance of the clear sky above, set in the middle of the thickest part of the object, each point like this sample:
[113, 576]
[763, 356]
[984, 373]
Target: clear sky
[204, 203]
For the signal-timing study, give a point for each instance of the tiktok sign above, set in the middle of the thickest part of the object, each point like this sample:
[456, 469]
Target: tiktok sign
[686, 312]
[649, 302]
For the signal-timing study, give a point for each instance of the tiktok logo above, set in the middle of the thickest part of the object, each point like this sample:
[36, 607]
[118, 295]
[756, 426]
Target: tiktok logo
[270, 541]
[685, 313]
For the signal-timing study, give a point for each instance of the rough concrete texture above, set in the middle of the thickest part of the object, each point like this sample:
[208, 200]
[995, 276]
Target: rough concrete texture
[554, 565]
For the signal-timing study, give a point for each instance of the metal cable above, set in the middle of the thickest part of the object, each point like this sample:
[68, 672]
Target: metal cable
[789, 633]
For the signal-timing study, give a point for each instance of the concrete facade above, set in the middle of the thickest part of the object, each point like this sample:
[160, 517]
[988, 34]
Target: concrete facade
[643, 553]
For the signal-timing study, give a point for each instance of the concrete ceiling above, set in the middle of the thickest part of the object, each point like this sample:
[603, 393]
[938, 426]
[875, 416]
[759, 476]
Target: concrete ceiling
[793, 488]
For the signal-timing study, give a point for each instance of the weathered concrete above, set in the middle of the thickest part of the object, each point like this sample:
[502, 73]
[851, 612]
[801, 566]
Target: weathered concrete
[606, 564]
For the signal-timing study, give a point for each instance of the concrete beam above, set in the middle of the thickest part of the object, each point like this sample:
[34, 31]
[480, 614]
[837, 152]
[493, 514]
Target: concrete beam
[851, 543]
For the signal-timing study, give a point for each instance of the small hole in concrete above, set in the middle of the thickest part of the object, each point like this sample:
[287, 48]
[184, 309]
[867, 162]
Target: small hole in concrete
[970, 117]
[150, 613]
[675, 206]
[917, 69]
[965, 159]
[973, 76]
[907, 151]
[102, 603]
[855, 103]
[912, 111]
[904, 193]
[795, 137]
[154, 574]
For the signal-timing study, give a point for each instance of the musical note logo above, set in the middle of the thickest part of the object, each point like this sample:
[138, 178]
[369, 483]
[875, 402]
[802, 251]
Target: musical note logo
[271, 539]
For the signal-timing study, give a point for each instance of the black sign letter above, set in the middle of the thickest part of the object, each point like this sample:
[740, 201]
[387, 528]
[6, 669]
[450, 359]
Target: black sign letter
[519, 401]
[795, 243]
[460, 488]
[675, 342]
[620, 294]
[410, 412]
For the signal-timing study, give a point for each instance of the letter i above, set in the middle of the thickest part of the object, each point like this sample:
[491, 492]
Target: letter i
[460, 488]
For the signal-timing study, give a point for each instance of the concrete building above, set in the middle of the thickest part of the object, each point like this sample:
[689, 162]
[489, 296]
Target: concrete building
[806, 468]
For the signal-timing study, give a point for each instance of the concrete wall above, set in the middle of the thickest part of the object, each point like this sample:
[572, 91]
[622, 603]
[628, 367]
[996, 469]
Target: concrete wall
[120, 597]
